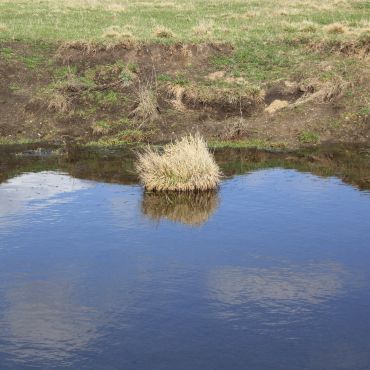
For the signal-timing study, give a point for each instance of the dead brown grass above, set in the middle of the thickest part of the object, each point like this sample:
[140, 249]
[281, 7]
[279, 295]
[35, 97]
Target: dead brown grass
[336, 28]
[185, 165]
[203, 28]
[147, 105]
[58, 103]
[163, 32]
[316, 90]
[233, 98]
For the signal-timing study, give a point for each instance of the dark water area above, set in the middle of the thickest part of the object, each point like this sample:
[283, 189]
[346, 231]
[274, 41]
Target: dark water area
[270, 272]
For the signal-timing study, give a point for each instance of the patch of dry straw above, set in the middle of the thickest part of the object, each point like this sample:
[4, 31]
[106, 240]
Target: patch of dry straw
[185, 165]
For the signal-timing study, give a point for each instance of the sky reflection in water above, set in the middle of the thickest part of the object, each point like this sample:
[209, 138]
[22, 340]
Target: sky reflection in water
[271, 272]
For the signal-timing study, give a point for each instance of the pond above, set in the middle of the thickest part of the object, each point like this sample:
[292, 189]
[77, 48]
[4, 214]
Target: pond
[270, 272]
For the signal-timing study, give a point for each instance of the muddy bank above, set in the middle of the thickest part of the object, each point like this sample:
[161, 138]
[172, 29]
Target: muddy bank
[128, 93]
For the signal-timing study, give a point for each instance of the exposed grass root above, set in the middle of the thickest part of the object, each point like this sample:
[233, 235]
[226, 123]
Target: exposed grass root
[358, 48]
[185, 165]
[316, 90]
[233, 99]
[192, 209]
[177, 93]
[124, 41]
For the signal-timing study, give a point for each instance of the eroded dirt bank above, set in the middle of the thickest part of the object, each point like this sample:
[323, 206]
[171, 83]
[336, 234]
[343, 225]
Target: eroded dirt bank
[85, 92]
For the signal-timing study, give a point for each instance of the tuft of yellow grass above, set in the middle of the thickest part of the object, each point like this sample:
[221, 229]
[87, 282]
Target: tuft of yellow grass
[163, 32]
[146, 104]
[3, 27]
[203, 28]
[336, 28]
[117, 34]
[58, 103]
[185, 165]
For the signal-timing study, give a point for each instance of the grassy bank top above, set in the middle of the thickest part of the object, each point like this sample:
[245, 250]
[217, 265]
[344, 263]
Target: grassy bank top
[271, 38]
[234, 21]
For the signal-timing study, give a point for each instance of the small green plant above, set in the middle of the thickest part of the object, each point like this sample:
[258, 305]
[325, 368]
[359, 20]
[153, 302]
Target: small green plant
[309, 137]
[164, 77]
[126, 78]
[64, 71]
[6, 53]
[101, 127]
[364, 111]
[14, 87]
[130, 136]
[105, 98]
[32, 61]
[133, 67]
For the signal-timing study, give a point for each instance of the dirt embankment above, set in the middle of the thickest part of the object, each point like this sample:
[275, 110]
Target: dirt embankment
[129, 93]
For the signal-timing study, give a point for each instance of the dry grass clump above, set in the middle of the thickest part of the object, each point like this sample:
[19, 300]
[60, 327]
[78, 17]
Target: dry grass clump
[58, 103]
[203, 28]
[276, 105]
[336, 28]
[233, 97]
[147, 105]
[308, 26]
[100, 128]
[327, 91]
[238, 97]
[185, 165]
[163, 32]
[3, 27]
[117, 35]
[191, 208]
[177, 92]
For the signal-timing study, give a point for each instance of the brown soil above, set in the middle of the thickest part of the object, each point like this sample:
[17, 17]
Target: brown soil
[98, 98]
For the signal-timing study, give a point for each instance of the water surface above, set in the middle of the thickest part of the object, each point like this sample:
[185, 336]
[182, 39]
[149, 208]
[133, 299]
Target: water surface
[270, 272]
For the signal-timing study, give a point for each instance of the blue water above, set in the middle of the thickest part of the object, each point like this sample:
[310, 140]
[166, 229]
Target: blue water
[270, 273]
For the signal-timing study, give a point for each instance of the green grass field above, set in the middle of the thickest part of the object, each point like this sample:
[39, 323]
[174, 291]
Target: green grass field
[270, 37]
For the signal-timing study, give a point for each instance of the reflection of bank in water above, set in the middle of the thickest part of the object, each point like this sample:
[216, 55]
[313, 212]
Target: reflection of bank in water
[194, 208]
